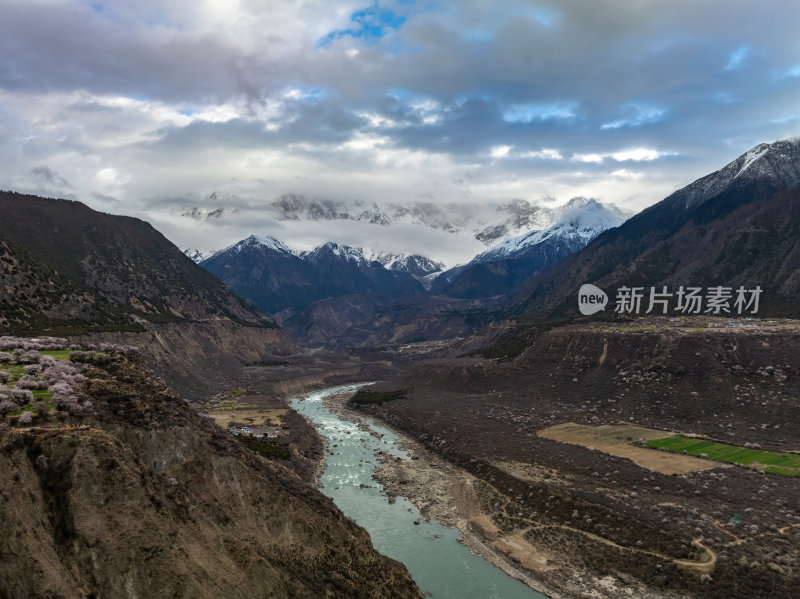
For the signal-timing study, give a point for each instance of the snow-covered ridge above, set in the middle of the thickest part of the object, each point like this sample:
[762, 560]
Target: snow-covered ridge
[334, 249]
[411, 263]
[582, 220]
[196, 255]
[256, 241]
[208, 212]
[777, 164]
[486, 221]
[751, 156]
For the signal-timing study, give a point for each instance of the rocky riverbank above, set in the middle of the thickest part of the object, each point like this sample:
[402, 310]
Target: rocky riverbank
[449, 494]
[440, 490]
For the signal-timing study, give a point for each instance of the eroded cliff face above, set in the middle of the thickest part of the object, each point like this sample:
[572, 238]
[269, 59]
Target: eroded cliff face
[151, 500]
[198, 359]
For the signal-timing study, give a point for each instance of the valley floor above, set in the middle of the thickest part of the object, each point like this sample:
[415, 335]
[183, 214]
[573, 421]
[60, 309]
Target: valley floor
[450, 495]
[544, 460]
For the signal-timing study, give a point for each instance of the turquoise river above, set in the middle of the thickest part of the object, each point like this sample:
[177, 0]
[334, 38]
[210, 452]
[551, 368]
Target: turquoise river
[440, 565]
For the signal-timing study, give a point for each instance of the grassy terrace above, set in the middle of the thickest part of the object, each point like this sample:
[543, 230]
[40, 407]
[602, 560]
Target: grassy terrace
[787, 464]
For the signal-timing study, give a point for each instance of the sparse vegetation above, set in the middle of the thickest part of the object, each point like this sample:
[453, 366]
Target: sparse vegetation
[364, 396]
[266, 447]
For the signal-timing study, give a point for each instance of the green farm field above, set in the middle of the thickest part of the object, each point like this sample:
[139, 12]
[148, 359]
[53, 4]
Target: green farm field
[787, 464]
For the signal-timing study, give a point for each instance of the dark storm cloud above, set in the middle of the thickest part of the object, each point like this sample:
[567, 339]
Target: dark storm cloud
[57, 47]
[45, 176]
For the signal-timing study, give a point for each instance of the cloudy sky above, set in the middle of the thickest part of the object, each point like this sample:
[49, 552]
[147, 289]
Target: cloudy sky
[149, 107]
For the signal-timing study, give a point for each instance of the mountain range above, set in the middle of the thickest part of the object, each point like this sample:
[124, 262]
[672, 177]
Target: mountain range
[501, 269]
[322, 292]
[284, 283]
[486, 222]
[740, 223]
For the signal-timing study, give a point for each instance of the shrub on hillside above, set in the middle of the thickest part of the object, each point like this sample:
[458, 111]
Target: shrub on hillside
[22, 396]
[29, 382]
[365, 396]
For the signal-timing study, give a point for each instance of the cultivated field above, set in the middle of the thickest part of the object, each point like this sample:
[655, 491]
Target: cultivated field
[253, 412]
[769, 461]
[617, 440]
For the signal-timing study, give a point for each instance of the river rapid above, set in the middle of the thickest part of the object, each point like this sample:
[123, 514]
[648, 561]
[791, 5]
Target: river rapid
[441, 566]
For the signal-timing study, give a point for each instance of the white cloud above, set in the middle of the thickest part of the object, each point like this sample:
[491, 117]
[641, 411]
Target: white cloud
[106, 176]
[635, 154]
[498, 152]
[544, 153]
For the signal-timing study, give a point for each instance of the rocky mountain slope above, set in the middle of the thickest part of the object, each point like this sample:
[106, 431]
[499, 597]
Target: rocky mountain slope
[737, 226]
[284, 283]
[141, 497]
[66, 269]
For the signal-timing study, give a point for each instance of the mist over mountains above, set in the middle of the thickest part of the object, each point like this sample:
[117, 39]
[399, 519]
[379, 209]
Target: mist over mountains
[450, 233]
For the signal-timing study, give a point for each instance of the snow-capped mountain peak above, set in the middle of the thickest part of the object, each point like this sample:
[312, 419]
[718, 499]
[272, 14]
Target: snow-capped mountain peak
[582, 220]
[414, 264]
[334, 249]
[196, 255]
[751, 156]
[262, 242]
[774, 164]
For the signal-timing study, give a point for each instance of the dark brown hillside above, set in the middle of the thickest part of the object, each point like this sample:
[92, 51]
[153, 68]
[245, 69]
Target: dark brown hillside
[151, 500]
[68, 270]
[128, 267]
